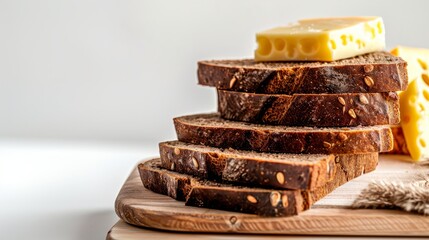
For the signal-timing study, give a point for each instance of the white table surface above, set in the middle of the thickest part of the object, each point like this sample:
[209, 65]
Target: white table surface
[63, 189]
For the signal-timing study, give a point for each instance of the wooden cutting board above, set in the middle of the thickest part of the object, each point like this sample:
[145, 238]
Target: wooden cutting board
[330, 216]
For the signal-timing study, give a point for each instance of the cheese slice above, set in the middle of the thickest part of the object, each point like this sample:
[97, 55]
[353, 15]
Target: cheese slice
[322, 39]
[414, 102]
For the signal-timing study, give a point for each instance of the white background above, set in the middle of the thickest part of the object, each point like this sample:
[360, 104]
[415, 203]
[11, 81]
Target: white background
[121, 70]
[89, 87]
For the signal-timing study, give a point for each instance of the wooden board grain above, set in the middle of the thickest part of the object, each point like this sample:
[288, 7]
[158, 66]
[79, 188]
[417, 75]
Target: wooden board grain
[124, 231]
[330, 216]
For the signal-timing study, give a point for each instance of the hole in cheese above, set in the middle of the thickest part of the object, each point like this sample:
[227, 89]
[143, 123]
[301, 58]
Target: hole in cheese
[344, 39]
[290, 50]
[279, 44]
[426, 94]
[309, 46]
[422, 142]
[264, 46]
[425, 78]
[422, 107]
[379, 28]
[359, 43]
[333, 44]
[370, 30]
[422, 64]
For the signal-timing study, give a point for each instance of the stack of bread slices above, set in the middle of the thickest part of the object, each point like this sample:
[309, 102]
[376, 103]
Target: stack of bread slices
[286, 133]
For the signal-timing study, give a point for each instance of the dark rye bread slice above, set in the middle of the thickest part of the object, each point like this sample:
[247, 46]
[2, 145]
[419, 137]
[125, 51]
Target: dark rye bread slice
[318, 110]
[211, 130]
[373, 72]
[265, 202]
[274, 170]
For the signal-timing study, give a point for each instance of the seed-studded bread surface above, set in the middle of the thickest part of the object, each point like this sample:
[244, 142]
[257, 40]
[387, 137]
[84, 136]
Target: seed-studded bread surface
[319, 110]
[373, 72]
[211, 130]
[277, 170]
[266, 202]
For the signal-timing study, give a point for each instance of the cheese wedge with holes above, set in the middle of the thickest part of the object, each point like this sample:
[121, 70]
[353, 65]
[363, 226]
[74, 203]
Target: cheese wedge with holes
[414, 102]
[321, 39]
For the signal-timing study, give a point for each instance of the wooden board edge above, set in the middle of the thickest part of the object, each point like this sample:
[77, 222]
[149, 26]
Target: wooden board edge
[354, 226]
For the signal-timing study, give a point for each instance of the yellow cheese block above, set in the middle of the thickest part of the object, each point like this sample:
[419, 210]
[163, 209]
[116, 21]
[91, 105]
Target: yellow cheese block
[414, 102]
[322, 39]
[417, 60]
[414, 105]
